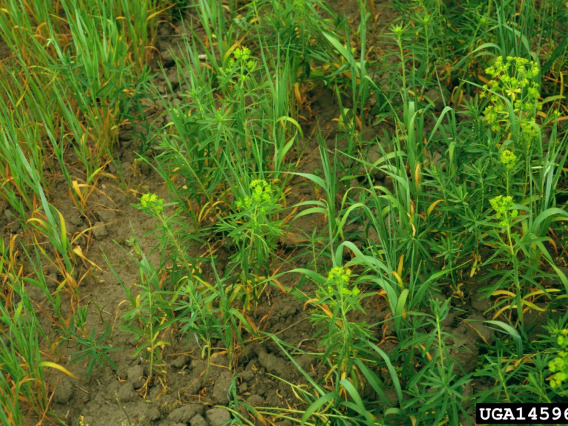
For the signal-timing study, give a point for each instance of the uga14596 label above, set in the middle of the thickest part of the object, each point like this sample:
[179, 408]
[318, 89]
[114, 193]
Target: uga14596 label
[507, 413]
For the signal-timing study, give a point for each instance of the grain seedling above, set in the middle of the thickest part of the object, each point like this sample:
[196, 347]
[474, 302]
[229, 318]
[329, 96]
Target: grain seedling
[197, 316]
[88, 87]
[326, 207]
[22, 357]
[99, 76]
[140, 23]
[26, 176]
[22, 384]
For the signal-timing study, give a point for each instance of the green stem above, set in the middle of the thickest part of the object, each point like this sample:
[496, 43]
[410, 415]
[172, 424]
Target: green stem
[516, 275]
[172, 237]
[399, 39]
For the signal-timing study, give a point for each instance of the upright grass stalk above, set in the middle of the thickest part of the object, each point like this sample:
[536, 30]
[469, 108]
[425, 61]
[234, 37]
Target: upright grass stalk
[26, 176]
[140, 23]
[83, 65]
[22, 385]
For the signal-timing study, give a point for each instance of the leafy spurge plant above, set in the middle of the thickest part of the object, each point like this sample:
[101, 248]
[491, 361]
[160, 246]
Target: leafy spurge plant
[240, 66]
[337, 298]
[152, 204]
[502, 206]
[507, 216]
[514, 94]
[559, 365]
[255, 229]
[508, 159]
[512, 80]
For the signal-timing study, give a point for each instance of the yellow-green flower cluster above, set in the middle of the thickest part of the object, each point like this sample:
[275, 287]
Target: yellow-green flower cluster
[529, 132]
[512, 79]
[241, 63]
[563, 338]
[338, 279]
[152, 203]
[559, 365]
[241, 53]
[398, 30]
[508, 158]
[502, 205]
[261, 194]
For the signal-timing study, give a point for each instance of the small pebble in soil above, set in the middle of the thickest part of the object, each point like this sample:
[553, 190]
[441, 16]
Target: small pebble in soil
[74, 219]
[136, 376]
[218, 416]
[122, 373]
[186, 413]
[154, 414]
[126, 169]
[221, 388]
[480, 303]
[13, 223]
[180, 362]
[275, 365]
[198, 420]
[63, 392]
[255, 400]
[99, 230]
[126, 393]
[477, 322]
[436, 98]
[173, 78]
[306, 362]
[248, 374]
[106, 215]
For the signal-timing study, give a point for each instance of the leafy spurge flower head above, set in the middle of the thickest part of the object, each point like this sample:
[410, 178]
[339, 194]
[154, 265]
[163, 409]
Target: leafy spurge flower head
[563, 338]
[502, 205]
[398, 30]
[512, 79]
[261, 191]
[339, 274]
[241, 64]
[152, 203]
[559, 365]
[242, 53]
[509, 159]
[338, 279]
[261, 195]
[529, 132]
